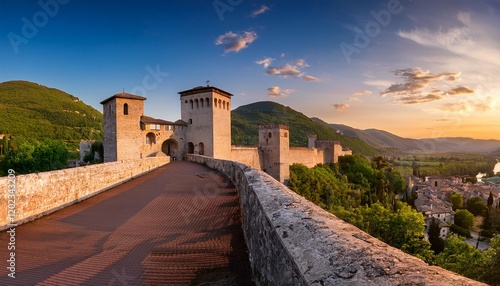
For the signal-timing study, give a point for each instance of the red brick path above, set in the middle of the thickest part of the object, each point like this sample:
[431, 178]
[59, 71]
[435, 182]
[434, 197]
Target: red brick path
[178, 225]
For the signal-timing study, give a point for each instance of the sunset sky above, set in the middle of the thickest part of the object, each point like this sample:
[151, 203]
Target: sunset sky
[418, 69]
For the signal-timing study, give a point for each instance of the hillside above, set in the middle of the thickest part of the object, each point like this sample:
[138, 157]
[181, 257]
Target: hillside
[246, 120]
[34, 111]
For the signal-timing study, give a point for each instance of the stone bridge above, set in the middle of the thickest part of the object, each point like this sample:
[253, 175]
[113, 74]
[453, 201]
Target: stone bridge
[218, 222]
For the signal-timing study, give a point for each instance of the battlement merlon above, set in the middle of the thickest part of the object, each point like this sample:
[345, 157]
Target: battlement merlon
[274, 126]
[202, 89]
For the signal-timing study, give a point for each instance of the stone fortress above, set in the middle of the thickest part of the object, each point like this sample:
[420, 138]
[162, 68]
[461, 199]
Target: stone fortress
[204, 129]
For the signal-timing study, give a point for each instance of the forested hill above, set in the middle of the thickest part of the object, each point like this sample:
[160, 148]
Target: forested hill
[33, 111]
[246, 120]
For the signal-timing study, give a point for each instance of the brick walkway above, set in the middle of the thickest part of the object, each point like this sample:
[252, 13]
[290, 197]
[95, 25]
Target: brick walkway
[178, 225]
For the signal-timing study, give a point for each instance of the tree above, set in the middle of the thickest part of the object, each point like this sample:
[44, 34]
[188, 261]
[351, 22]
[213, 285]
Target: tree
[457, 200]
[462, 258]
[492, 271]
[490, 200]
[437, 244]
[465, 219]
[476, 206]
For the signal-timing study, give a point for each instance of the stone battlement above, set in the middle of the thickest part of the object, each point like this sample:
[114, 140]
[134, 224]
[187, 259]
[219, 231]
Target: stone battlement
[291, 241]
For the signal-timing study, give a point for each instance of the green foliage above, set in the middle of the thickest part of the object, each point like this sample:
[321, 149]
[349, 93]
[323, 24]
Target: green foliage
[246, 120]
[464, 219]
[96, 147]
[476, 206]
[490, 200]
[34, 156]
[402, 228]
[437, 244]
[460, 230]
[461, 257]
[457, 201]
[36, 112]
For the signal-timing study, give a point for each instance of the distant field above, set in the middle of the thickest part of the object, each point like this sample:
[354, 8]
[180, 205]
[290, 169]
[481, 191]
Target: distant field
[419, 163]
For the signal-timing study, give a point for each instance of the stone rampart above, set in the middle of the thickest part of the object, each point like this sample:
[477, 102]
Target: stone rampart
[39, 194]
[291, 241]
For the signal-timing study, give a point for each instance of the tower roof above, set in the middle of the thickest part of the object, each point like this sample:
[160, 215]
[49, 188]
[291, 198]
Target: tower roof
[123, 95]
[201, 89]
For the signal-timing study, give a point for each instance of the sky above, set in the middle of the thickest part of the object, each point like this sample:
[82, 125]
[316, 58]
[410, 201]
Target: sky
[418, 69]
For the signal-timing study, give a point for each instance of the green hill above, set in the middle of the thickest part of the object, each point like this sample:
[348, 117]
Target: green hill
[33, 111]
[246, 120]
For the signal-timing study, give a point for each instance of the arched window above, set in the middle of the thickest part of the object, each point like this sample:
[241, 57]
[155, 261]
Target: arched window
[220, 103]
[190, 148]
[269, 135]
[150, 138]
[227, 105]
[202, 102]
[207, 101]
[201, 148]
[197, 103]
[185, 101]
[125, 109]
[190, 121]
[223, 104]
[215, 102]
[191, 101]
[286, 134]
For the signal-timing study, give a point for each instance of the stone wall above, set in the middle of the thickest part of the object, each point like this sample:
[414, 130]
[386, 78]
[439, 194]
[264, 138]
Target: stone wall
[246, 155]
[306, 156]
[291, 241]
[39, 194]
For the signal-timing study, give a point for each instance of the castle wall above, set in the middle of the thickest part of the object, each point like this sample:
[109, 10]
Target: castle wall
[306, 156]
[39, 194]
[291, 241]
[246, 155]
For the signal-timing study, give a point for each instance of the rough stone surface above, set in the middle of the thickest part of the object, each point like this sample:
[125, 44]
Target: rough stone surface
[39, 194]
[291, 241]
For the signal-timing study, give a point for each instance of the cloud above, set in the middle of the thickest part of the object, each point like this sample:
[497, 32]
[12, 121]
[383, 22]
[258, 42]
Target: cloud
[340, 106]
[310, 78]
[235, 42]
[300, 63]
[288, 70]
[459, 90]
[419, 86]
[265, 62]
[354, 99]
[469, 105]
[284, 71]
[469, 39]
[415, 99]
[362, 92]
[259, 11]
[275, 91]
[443, 120]
[416, 80]
[282, 55]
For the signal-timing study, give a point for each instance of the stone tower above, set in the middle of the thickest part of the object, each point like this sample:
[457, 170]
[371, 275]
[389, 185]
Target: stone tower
[207, 112]
[122, 114]
[274, 149]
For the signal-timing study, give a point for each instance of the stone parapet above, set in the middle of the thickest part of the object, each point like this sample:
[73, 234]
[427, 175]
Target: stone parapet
[291, 241]
[39, 194]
